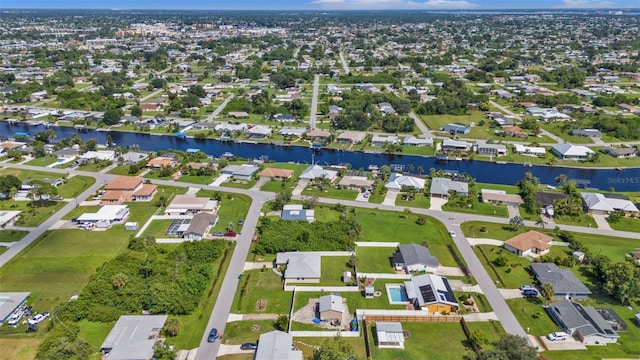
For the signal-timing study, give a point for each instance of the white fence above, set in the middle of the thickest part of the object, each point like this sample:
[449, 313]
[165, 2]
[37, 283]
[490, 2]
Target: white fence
[377, 244]
[321, 288]
[384, 276]
[324, 333]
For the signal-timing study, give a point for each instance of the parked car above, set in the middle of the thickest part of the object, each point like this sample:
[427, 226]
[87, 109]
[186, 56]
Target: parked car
[218, 233]
[213, 334]
[248, 346]
[557, 336]
[38, 318]
[240, 222]
[530, 293]
[452, 233]
[57, 198]
[526, 287]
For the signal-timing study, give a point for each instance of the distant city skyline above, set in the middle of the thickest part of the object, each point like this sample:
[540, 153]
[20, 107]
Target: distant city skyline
[319, 4]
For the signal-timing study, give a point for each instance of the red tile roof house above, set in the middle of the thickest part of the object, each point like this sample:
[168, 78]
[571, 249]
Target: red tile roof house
[127, 188]
[531, 243]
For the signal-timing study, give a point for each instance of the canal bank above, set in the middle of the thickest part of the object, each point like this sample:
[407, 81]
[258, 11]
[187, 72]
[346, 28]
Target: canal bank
[483, 171]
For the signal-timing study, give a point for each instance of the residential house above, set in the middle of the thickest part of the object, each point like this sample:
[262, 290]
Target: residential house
[229, 128]
[628, 108]
[199, 226]
[106, 216]
[529, 150]
[350, 137]
[500, 197]
[431, 293]
[10, 302]
[355, 182]
[418, 142]
[284, 118]
[276, 174]
[301, 267]
[635, 256]
[190, 204]
[318, 172]
[317, 135]
[441, 187]
[503, 121]
[605, 204]
[565, 283]
[515, 132]
[133, 337]
[258, 132]
[625, 152]
[133, 157]
[397, 181]
[102, 155]
[414, 258]
[244, 171]
[583, 322]
[291, 131]
[331, 307]
[162, 162]
[455, 129]
[67, 153]
[531, 243]
[548, 198]
[377, 140]
[238, 114]
[389, 335]
[127, 188]
[571, 152]
[386, 108]
[277, 345]
[491, 149]
[295, 212]
[592, 133]
[455, 145]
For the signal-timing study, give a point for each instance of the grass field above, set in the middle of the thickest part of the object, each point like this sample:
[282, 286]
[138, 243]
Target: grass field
[626, 224]
[123, 170]
[19, 348]
[511, 276]
[75, 185]
[233, 207]
[12, 235]
[531, 315]
[239, 184]
[42, 161]
[420, 201]
[158, 228]
[32, 216]
[192, 179]
[375, 259]
[332, 269]
[239, 332]
[258, 284]
[481, 209]
[331, 192]
[582, 220]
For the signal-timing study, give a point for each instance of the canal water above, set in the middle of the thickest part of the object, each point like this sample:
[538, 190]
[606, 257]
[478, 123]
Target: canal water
[484, 171]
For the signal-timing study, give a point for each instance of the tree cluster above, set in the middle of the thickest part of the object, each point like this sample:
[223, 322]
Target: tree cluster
[451, 98]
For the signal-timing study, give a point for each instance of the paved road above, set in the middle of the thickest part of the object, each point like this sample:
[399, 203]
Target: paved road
[344, 63]
[424, 129]
[217, 111]
[314, 102]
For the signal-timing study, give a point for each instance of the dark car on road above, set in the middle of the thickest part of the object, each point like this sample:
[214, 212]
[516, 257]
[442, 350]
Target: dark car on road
[213, 334]
[530, 293]
[248, 346]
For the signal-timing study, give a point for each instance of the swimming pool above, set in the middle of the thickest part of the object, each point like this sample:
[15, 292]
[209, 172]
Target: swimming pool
[396, 294]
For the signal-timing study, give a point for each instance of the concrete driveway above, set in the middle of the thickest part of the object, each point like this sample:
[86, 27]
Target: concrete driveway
[484, 241]
[569, 344]
[511, 293]
[436, 203]
[601, 221]
[222, 178]
[301, 185]
[390, 198]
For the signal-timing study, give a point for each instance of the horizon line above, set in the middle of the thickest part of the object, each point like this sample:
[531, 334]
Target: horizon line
[562, 9]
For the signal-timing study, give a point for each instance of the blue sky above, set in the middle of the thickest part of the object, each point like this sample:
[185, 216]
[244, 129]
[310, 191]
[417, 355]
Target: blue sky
[318, 4]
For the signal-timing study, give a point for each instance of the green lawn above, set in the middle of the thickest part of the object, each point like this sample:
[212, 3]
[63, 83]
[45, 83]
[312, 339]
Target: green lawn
[582, 220]
[332, 269]
[59, 264]
[331, 192]
[32, 216]
[11, 235]
[239, 183]
[79, 210]
[42, 161]
[233, 207]
[92, 167]
[375, 259]
[75, 185]
[481, 209]
[420, 201]
[425, 342]
[279, 185]
[239, 332]
[123, 170]
[531, 315]
[626, 224]
[24, 174]
[378, 194]
[158, 228]
[94, 332]
[512, 276]
[355, 300]
[256, 285]
[509, 189]
[192, 179]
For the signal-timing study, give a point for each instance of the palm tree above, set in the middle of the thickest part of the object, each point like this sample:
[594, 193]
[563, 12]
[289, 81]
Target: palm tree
[541, 223]
[516, 222]
[12, 195]
[120, 280]
[410, 168]
[173, 327]
[561, 179]
[420, 169]
[547, 292]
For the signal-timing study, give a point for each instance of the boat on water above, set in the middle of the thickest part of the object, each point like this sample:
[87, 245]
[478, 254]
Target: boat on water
[373, 168]
[227, 155]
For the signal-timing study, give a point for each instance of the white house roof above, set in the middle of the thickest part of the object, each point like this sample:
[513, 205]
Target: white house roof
[276, 345]
[397, 181]
[330, 303]
[442, 186]
[596, 201]
[530, 149]
[105, 213]
[572, 150]
[133, 336]
[317, 171]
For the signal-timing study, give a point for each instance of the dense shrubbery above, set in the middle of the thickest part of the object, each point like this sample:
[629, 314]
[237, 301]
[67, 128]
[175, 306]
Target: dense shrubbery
[277, 236]
[147, 277]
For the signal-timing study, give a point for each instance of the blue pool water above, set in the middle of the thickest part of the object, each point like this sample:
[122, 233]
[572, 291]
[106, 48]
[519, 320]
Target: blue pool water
[397, 294]
[61, 160]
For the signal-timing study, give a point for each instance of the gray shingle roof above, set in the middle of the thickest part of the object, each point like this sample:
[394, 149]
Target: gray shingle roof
[563, 280]
[412, 254]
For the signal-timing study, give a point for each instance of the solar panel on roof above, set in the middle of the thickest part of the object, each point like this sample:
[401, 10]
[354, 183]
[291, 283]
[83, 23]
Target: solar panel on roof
[427, 293]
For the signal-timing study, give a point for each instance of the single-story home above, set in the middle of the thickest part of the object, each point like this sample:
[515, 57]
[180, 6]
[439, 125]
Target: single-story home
[318, 172]
[548, 198]
[417, 142]
[277, 345]
[604, 204]
[389, 335]
[318, 135]
[529, 150]
[133, 337]
[583, 322]
[284, 118]
[455, 129]
[414, 258]
[258, 132]
[431, 293]
[295, 212]
[105, 155]
[162, 162]
[455, 145]
[291, 131]
[244, 171]
[592, 133]
[8, 217]
[106, 216]
[189, 204]
[532, 243]
[127, 188]
[377, 140]
[625, 152]
[355, 182]
[199, 225]
[491, 149]
[440, 187]
[571, 152]
[301, 267]
[350, 137]
[276, 174]
[386, 108]
[500, 197]
[397, 181]
[565, 283]
[133, 157]
[331, 307]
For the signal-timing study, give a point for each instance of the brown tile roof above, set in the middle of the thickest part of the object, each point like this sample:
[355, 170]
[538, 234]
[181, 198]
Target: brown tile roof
[162, 162]
[506, 198]
[146, 190]
[529, 240]
[128, 183]
[275, 172]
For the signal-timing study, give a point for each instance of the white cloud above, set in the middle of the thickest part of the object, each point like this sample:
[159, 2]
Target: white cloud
[394, 4]
[590, 4]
